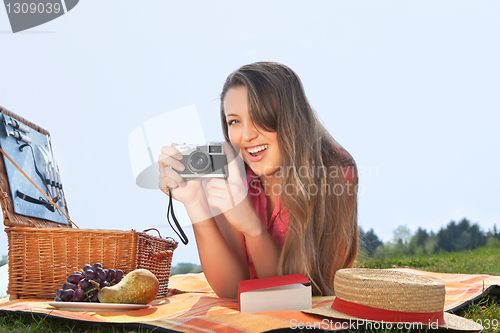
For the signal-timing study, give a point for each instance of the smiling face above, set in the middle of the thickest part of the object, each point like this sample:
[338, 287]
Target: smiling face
[259, 147]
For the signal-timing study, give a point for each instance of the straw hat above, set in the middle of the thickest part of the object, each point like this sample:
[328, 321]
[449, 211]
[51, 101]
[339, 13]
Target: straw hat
[387, 296]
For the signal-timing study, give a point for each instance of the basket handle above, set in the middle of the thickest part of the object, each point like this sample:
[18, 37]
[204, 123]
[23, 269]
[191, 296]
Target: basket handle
[162, 254]
[173, 240]
[159, 235]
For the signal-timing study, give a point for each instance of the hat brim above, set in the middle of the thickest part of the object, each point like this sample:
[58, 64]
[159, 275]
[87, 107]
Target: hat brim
[452, 322]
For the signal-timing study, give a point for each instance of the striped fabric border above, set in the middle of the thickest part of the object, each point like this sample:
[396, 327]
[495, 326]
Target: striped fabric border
[193, 307]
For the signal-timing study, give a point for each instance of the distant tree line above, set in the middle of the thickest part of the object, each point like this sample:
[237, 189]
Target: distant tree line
[184, 268]
[463, 235]
[369, 241]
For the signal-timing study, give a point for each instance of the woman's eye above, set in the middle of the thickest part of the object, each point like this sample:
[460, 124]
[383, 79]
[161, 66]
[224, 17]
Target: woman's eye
[232, 122]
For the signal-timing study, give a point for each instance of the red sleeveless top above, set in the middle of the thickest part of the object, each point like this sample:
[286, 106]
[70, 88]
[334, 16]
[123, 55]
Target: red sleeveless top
[277, 225]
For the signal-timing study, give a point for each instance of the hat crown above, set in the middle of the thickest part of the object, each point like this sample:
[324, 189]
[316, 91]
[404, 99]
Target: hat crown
[389, 290]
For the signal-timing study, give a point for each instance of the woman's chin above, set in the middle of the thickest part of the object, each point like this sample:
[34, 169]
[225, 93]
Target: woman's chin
[264, 171]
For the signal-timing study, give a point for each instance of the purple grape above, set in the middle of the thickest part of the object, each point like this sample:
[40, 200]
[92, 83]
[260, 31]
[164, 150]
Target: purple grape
[74, 278]
[58, 292]
[100, 273]
[87, 267]
[69, 286]
[67, 295]
[84, 284]
[78, 295]
[89, 274]
[96, 266]
[118, 275]
[96, 280]
[94, 299]
[104, 284]
[57, 299]
[110, 276]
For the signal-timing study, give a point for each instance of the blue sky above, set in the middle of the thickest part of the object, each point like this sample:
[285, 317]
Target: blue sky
[410, 89]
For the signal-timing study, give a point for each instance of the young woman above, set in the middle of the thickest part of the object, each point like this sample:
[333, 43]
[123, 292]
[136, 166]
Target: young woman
[300, 214]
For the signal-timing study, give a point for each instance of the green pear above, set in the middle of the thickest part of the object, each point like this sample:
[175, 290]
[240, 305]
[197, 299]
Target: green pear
[137, 287]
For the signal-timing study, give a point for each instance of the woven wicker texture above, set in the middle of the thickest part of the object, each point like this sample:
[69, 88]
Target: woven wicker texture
[41, 259]
[155, 254]
[11, 219]
[389, 290]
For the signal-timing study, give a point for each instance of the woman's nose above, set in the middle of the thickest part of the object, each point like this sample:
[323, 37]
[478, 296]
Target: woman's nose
[249, 132]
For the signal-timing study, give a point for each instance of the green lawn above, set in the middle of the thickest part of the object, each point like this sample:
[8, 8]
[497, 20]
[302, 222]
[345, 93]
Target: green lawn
[15, 323]
[479, 261]
[483, 260]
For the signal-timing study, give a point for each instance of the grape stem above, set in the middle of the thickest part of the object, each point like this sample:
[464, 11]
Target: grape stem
[89, 291]
[95, 284]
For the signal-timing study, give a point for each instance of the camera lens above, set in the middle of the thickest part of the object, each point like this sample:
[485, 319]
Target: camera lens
[199, 161]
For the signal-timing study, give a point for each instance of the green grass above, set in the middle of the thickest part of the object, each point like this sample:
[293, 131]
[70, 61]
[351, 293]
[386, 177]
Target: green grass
[483, 260]
[17, 323]
[479, 261]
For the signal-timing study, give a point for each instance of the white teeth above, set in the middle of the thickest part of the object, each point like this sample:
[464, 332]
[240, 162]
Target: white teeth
[257, 149]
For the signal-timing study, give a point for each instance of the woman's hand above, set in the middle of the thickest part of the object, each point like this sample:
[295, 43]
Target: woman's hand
[190, 192]
[230, 196]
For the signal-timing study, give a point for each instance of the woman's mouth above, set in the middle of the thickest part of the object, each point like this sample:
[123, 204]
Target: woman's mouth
[256, 153]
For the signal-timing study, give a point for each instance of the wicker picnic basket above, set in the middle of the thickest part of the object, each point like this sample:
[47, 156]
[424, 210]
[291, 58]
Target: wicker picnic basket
[42, 253]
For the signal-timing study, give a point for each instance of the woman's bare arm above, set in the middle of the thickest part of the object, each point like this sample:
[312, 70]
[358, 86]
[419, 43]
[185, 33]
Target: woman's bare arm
[222, 249]
[260, 244]
[221, 265]
[264, 252]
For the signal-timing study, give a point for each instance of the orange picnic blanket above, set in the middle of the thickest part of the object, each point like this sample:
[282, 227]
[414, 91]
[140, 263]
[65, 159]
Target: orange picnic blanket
[196, 308]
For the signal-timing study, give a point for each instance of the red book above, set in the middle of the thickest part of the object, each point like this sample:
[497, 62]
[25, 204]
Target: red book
[279, 293]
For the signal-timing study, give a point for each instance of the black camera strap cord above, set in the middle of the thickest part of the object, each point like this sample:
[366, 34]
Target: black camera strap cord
[170, 211]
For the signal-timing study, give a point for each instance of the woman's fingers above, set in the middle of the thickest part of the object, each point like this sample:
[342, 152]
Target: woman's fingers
[162, 185]
[219, 202]
[171, 175]
[168, 182]
[217, 192]
[168, 176]
[171, 151]
[170, 157]
[166, 161]
[165, 182]
[221, 194]
[215, 202]
[216, 183]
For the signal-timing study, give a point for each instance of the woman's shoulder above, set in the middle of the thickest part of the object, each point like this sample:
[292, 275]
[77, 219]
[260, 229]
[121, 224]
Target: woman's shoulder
[336, 151]
[345, 158]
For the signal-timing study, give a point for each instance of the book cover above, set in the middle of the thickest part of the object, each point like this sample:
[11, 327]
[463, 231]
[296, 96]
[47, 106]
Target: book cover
[279, 293]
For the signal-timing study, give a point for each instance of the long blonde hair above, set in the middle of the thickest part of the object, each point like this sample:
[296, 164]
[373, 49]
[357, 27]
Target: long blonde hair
[323, 231]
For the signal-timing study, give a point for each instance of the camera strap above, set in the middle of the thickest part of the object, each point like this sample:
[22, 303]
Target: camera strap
[170, 211]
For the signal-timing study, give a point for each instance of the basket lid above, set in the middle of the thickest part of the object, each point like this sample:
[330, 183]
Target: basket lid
[28, 145]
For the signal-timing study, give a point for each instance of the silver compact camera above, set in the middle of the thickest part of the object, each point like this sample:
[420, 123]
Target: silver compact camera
[203, 161]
